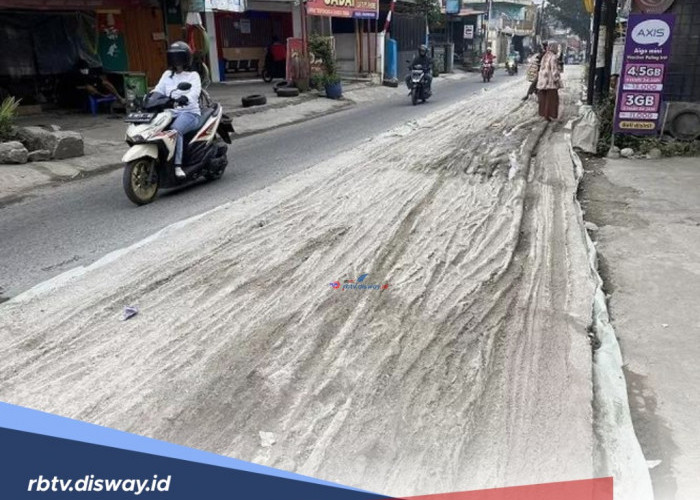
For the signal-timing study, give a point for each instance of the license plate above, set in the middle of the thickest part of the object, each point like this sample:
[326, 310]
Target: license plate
[139, 117]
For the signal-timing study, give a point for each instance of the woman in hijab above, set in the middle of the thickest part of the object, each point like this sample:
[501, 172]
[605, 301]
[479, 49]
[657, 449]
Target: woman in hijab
[549, 83]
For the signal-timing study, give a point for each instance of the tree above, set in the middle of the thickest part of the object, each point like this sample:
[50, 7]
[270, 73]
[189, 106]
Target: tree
[571, 14]
[429, 8]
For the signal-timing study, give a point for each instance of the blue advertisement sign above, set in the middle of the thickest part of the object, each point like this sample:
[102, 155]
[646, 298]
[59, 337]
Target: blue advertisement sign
[453, 6]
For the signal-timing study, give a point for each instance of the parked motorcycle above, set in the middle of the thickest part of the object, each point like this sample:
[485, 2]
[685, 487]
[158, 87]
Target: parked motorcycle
[149, 160]
[418, 90]
[487, 71]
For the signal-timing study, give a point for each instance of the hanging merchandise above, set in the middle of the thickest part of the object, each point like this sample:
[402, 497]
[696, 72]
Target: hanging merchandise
[111, 43]
[197, 36]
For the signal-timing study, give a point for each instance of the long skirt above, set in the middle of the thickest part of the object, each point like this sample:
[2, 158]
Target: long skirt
[549, 103]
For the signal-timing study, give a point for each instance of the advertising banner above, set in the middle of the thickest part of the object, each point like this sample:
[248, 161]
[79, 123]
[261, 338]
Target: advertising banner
[358, 9]
[469, 32]
[294, 49]
[644, 66]
[111, 45]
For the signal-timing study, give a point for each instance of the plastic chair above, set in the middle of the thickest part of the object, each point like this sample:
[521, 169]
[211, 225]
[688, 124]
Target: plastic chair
[96, 101]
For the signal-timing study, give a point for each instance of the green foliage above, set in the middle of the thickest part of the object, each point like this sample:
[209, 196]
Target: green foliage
[571, 14]
[8, 111]
[321, 48]
[429, 8]
[316, 81]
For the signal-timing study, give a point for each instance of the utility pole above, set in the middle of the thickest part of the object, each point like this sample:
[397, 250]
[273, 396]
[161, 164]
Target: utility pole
[489, 9]
[611, 20]
[593, 62]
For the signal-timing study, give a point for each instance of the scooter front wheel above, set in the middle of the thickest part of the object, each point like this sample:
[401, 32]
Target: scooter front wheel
[140, 180]
[414, 96]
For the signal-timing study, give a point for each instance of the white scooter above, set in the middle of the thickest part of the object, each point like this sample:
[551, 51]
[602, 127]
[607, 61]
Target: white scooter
[149, 160]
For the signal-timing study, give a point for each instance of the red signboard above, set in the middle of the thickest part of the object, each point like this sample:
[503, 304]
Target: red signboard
[294, 50]
[358, 9]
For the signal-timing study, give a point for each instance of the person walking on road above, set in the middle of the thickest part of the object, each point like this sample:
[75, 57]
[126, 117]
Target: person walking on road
[549, 83]
[534, 70]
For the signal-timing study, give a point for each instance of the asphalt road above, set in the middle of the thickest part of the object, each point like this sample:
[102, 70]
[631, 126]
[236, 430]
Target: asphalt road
[76, 223]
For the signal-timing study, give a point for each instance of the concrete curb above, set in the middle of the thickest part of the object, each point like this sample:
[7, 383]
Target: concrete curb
[619, 453]
[337, 109]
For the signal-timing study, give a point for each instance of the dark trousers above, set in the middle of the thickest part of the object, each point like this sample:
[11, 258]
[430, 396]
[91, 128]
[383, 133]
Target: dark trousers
[532, 89]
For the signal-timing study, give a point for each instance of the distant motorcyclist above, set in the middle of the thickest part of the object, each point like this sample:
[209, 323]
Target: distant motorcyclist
[488, 57]
[426, 63]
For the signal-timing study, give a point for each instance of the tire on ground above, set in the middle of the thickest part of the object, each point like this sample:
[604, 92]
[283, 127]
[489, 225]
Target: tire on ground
[287, 92]
[254, 100]
[279, 85]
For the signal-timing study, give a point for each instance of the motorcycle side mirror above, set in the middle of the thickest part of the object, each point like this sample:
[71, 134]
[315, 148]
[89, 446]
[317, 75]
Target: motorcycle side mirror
[184, 86]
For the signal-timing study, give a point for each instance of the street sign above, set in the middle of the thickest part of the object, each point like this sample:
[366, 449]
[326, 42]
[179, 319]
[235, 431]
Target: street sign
[644, 66]
[358, 9]
[468, 31]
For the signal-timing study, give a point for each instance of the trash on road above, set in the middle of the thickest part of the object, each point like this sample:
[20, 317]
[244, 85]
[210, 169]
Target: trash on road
[130, 312]
[267, 439]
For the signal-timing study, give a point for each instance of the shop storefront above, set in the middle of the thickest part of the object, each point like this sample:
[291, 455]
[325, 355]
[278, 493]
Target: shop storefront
[42, 45]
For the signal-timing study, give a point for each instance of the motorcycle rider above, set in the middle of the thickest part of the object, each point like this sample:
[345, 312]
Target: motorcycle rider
[514, 59]
[426, 63]
[488, 58]
[187, 114]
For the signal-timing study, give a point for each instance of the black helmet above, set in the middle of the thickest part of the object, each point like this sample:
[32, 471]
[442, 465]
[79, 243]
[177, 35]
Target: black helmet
[422, 50]
[179, 54]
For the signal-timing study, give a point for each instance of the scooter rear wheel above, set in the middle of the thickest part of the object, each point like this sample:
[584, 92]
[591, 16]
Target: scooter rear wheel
[140, 181]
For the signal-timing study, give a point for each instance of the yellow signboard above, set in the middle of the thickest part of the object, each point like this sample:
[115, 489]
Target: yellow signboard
[637, 125]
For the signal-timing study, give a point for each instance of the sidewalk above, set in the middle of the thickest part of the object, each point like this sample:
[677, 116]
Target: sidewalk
[104, 135]
[645, 216]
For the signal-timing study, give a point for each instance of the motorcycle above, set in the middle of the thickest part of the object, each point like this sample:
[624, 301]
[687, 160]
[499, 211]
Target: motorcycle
[512, 66]
[149, 160]
[486, 71]
[418, 83]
